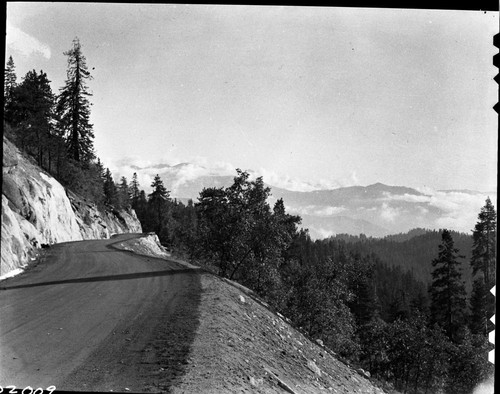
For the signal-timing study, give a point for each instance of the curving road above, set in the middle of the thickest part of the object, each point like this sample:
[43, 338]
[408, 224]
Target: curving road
[94, 318]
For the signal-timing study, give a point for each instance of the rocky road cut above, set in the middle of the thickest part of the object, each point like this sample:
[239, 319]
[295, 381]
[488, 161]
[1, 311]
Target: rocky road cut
[94, 318]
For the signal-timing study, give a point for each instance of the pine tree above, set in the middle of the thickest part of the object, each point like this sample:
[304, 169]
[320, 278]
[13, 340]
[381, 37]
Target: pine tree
[123, 193]
[158, 203]
[484, 248]
[134, 190]
[483, 264]
[9, 85]
[73, 107]
[110, 192]
[100, 169]
[189, 225]
[447, 290]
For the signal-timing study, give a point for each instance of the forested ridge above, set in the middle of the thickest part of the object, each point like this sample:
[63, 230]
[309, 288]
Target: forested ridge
[413, 311]
[413, 251]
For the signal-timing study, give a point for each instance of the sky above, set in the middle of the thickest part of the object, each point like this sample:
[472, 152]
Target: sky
[308, 97]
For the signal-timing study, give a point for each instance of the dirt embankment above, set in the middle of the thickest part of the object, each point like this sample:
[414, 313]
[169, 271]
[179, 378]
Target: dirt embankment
[241, 346]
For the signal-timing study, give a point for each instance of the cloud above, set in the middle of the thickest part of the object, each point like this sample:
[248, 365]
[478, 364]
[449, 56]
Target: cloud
[321, 232]
[388, 213]
[456, 201]
[330, 211]
[185, 173]
[176, 171]
[353, 180]
[423, 211]
[25, 44]
[455, 210]
[314, 210]
[283, 181]
[460, 210]
[406, 197]
[197, 166]
[223, 168]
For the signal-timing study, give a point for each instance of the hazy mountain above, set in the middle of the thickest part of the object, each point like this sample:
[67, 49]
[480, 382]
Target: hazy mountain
[375, 210]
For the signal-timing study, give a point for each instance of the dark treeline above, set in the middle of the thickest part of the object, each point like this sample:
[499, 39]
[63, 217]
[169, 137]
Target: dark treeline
[54, 129]
[396, 307]
[422, 336]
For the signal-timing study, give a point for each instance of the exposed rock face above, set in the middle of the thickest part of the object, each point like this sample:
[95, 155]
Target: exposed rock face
[36, 210]
[94, 224]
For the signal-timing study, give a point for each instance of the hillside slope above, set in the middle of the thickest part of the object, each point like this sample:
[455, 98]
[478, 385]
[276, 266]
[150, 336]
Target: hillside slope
[241, 346]
[37, 210]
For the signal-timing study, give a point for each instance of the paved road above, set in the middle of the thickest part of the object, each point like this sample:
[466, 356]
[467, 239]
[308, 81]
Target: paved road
[91, 317]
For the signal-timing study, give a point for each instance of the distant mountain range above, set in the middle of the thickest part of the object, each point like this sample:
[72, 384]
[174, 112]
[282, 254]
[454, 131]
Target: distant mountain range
[376, 210]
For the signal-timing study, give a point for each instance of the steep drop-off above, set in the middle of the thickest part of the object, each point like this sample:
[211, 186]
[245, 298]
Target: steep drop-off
[38, 210]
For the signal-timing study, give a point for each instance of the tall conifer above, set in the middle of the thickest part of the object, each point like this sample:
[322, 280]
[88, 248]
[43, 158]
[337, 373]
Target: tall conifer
[123, 193]
[9, 84]
[134, 190]
[158, 204]
[110, 191]
[73, 107]
[483, 264]
[447, 291]
[483, 259]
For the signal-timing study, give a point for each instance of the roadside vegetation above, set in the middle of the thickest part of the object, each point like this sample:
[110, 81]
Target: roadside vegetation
[409, 316]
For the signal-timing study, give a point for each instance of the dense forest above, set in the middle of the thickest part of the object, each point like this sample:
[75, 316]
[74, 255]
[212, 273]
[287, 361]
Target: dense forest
[410, 309]
[412, 251]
